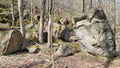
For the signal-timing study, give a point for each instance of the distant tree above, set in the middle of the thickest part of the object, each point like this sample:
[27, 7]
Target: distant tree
[22, 26]
[12, 12]
[41, 29]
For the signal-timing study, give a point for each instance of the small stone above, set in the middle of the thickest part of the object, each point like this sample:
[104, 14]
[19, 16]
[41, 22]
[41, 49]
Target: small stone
[32, 48]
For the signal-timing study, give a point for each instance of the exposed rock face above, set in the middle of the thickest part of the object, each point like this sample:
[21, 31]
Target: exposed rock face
[10, 41]
[64, 31]
[96, 36]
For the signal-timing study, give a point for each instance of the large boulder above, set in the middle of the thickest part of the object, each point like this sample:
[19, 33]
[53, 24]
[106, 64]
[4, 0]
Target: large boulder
[10, 41]
[95, 35]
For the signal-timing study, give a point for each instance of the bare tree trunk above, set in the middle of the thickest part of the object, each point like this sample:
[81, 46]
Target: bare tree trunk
[90, 4]
[22, 26]
[41, 29]
[50, 24]
[99, 3]
[83, 6]
[58, 13]
[48, 5]
[31, 12]
[12, 12]
[114, 17]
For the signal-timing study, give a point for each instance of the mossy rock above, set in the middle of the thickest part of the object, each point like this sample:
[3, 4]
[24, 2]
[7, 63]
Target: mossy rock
[75, 47]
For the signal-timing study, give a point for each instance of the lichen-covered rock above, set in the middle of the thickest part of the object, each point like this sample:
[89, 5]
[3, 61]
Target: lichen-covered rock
[10, 41]
[33, 48]
[95, 35]
[63, 50]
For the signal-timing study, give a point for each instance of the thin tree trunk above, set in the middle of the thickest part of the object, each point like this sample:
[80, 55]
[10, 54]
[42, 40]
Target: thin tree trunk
[48, 5]
[12, 12]
[90, 4]
[58, 13]
[114, 17]
[31, 13]
[41, 29]
[22, 26]
[83, 6]
[99, 3]
[50, 24]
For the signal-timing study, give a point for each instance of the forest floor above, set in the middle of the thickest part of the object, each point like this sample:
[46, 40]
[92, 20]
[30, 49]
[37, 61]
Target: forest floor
[78, 60]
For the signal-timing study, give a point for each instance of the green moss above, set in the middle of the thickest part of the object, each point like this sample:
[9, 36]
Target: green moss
[75, 47]
[57, 19]
[58, 41]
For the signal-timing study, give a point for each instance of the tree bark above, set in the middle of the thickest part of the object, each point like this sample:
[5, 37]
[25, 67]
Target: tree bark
[31, 5]
[90, 5]
[41, 28]
[83, 7]
[114, 17]
[22, 26]
[12, 12]
[50, 25]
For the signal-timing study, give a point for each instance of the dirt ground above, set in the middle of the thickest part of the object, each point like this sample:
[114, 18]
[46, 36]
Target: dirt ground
[78, 60]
